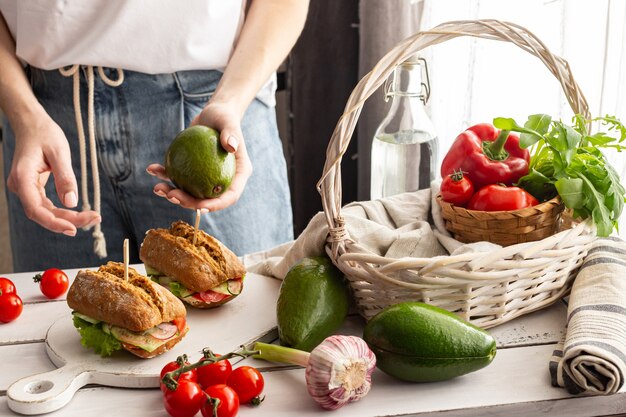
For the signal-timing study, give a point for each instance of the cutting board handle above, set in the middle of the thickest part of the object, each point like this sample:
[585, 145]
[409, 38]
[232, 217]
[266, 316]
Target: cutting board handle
[47, 392]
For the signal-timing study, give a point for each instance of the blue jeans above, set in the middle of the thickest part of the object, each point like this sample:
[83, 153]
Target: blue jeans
[135, 124]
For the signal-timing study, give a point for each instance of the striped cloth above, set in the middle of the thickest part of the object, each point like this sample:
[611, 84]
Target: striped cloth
[592, 357]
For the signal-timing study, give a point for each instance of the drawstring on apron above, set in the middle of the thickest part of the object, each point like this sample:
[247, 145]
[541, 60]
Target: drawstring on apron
[99, 246]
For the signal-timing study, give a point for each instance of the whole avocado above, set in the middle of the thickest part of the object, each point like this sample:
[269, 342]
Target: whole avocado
[312, 303]
[419, 342]
[197, 163]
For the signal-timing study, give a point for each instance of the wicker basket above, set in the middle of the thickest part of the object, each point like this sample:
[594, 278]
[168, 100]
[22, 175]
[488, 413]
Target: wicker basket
[503, 227]
[486, 288]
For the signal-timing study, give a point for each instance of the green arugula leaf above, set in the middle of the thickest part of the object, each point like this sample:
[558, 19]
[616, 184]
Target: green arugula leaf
[568, 161]
[505, 123]
[530, 136]
[543, 158]
[613, 123]
[567, 142]
[599, 139]
[615, 195]
[573, 138]
[571, 192]
[538, 184]
[581, 124]
[557, 137]
[539, 123]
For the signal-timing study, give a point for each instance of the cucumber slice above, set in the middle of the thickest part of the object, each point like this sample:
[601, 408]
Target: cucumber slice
[151, 271]
[230, 287]
[86, 318]
[235, 286]
[164, 280]
[179, 289]
[222, 288]
[141, 340]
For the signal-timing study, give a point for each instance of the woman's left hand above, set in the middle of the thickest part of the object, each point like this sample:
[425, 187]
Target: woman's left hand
[228, 122]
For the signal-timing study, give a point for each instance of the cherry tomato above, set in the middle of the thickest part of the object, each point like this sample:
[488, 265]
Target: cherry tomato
[53, 282]
[229, 402]
[214, 373]
[185, 401]
[248, 382]
[497, 197]
[457, 189]
[6, 286]
[190, 376]
[10, 307]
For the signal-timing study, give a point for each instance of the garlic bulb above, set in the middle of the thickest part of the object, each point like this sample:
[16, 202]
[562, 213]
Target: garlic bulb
[338, 371]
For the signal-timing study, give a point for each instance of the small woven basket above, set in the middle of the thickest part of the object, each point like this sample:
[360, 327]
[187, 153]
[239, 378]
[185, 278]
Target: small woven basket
[502, 227]
[486, 289]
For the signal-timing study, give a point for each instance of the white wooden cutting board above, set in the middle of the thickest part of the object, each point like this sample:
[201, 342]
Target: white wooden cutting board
[249, 317]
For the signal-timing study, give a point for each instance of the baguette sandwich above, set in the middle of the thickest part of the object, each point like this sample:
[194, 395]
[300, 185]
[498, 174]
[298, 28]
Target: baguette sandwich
[112, 313]
[204, 275]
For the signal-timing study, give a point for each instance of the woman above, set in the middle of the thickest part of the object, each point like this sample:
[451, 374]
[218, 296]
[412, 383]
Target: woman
[127, 76]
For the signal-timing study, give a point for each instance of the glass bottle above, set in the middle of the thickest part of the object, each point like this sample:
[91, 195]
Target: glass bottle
[404, 148]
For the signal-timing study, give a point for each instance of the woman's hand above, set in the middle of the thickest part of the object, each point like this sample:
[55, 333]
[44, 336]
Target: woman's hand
[270, 30]
[225, 120]
[41, 149]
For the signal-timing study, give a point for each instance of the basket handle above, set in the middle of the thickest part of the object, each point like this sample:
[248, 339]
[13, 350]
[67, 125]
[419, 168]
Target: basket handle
[329, 185]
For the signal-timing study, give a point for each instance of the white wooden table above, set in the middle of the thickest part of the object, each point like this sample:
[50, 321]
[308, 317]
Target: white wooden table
[517, 383]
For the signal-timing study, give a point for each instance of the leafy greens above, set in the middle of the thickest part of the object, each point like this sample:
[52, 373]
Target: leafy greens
[567, 161]
[92, 336]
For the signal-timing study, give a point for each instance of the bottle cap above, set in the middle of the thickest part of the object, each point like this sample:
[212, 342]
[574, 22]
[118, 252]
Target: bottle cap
[409, 64]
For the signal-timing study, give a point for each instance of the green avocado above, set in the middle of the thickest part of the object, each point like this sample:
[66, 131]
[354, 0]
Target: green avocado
[196, 162]
[312, 303]
[420, 342]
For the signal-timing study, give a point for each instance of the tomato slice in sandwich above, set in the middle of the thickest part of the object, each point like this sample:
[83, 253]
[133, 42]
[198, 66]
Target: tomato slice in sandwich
[180, 323]
[210, 296]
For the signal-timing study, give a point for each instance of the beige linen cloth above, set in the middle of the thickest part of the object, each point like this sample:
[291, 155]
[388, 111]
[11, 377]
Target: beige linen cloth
[592, 357]
[394, 227]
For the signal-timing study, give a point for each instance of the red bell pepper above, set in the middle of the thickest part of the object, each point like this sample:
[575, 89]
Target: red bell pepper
[486, 156]
[496, 197]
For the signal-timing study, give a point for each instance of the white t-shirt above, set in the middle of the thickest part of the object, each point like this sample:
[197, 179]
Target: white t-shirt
[149, 36]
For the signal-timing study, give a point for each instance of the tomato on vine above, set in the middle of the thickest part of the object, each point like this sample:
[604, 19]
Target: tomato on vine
[185, 401]
[214, 373]
[248, 383]
[185, 376]
[53, 282]
[228, 405]
[457, 189]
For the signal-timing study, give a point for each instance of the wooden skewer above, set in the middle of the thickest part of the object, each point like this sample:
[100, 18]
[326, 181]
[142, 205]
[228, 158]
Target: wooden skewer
[195, 226]
[126, 259]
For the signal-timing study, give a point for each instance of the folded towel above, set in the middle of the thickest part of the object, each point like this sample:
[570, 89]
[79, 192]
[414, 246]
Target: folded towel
[403, 225]
[592, 357]
[393, 227]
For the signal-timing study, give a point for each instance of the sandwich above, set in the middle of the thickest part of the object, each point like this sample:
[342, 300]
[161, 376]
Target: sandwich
[112, 313]
[204, 275]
